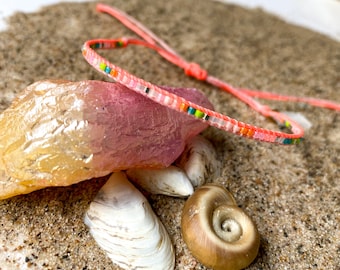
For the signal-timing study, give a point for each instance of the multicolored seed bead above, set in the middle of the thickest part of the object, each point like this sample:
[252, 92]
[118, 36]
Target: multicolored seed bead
[155, 93]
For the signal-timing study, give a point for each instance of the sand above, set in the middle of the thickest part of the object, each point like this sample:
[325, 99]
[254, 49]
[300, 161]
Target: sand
[292, 193]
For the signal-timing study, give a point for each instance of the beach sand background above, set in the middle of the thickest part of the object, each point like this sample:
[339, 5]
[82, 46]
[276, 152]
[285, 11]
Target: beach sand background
[292, 193]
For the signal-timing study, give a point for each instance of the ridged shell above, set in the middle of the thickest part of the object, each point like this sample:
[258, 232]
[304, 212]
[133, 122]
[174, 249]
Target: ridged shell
[123, 224]
[199, 161]
[171, 181]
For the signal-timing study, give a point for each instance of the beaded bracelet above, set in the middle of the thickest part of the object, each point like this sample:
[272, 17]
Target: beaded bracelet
[180, 104]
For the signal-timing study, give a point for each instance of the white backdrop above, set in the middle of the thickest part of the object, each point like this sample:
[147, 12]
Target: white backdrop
[319, 15]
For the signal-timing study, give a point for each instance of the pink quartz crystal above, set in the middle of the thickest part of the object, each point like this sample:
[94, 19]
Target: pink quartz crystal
[58, 133]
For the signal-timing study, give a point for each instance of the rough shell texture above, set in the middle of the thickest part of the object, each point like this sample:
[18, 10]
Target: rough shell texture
[58, 133]
[199, 161]
[171, 181]
[123, 224]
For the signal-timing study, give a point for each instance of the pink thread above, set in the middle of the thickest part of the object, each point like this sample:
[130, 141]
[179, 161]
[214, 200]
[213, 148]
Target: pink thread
[194, 70]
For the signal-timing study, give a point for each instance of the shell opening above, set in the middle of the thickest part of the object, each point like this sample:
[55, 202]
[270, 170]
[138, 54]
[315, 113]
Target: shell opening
[226, 226]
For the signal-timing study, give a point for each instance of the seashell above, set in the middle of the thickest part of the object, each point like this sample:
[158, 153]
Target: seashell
[217, 232]
[300, 119]
[58, 133]
[123, 224]
[171, 181]
[199, 161]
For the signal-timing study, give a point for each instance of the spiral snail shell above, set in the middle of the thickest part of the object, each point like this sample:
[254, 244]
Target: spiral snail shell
[217, 232]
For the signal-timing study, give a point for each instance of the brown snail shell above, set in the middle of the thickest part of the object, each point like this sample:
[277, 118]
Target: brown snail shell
[217, 232]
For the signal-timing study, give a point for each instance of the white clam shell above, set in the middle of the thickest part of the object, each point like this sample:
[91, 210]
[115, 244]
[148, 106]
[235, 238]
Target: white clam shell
[122, 222]
[199, 161]
[171, 181]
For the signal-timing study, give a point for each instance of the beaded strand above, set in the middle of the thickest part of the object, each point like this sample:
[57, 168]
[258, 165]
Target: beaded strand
[173, 101]
[180, 104]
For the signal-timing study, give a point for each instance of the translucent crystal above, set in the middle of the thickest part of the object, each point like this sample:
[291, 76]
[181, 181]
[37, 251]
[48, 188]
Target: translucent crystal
[58, 133]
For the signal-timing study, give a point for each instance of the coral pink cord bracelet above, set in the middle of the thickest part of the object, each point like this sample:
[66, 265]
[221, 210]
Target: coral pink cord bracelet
[180, 104]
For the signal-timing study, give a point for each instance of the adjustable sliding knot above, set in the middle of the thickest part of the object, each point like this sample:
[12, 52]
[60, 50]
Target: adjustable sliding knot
[194, 70]
[178, 103]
